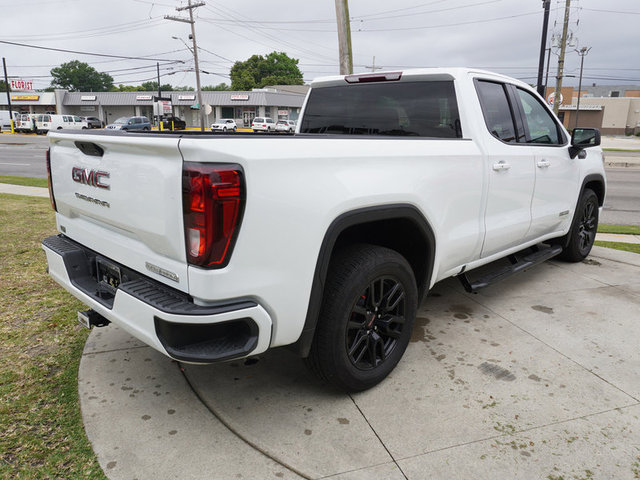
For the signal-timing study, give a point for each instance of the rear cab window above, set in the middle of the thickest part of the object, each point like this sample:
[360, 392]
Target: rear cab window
[516, 116]
[413, 109]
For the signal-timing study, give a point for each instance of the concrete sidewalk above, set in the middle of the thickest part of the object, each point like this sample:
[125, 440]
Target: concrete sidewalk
[23, 190]
[536, 377]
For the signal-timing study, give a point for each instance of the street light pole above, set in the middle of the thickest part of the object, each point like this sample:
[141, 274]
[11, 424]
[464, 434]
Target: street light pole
[583, 53]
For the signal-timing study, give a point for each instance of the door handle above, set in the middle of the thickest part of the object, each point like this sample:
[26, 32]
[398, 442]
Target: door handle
[544, 164]
[501, 165]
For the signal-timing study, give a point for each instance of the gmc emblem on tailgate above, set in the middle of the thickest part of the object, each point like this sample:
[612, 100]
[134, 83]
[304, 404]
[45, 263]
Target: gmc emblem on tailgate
[93, 178]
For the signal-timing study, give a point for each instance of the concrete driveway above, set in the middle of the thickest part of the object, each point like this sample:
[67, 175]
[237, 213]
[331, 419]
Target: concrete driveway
[537, 377]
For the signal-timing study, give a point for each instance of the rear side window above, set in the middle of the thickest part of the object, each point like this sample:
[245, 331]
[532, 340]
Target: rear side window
[422, 109]
[496, 110]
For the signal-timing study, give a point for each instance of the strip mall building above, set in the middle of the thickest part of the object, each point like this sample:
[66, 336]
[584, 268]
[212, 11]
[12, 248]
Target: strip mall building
[275, 102]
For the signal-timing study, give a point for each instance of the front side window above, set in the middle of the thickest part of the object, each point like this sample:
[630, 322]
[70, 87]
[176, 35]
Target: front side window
[542, 128]
[496, 110]
[421, 109]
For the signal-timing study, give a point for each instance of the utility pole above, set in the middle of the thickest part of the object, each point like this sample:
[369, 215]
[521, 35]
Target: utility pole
[563, 48]
[546, 75]
[543, 45]
[190, 7]
[344, 37]
[583, 53]
[373, 65]
[6, 85]
[159, 116]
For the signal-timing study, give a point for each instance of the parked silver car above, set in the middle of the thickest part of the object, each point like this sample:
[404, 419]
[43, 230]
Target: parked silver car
[263, 124]
[286, 126]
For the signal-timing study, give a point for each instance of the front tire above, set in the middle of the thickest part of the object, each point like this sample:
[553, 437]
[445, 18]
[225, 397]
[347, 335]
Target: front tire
[367, 315]
[582, 235]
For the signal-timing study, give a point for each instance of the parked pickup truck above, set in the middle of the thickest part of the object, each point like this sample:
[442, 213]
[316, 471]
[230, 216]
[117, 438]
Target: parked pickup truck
[217, 247]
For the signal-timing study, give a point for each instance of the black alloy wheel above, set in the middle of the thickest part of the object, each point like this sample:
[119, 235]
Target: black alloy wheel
[587, 226]
[582, 235]
[375, 323]
[368, 309]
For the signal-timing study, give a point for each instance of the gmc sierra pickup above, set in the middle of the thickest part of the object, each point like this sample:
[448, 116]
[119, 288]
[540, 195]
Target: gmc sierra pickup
[210, 248]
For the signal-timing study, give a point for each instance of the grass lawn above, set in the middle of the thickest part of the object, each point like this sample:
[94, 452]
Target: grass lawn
[627, 247]
[620, 150]
[619, 229]
[42, 432]
[25, 181]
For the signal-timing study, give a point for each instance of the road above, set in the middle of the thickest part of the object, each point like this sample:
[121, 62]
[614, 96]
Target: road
[622, 204]
[24, 156]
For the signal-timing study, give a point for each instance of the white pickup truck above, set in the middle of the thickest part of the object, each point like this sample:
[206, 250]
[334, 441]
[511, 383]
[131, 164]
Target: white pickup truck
[216, 247]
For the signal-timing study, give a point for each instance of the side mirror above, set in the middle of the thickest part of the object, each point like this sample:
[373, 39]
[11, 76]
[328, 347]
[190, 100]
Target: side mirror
[582, 138]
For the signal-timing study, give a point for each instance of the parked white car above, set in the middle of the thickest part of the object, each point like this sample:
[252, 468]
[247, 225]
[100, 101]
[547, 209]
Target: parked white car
[263, 124]
[286, 126]
[46, 122]
[224, 125]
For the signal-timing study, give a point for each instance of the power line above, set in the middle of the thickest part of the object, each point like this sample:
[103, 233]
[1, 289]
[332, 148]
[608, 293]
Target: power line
[94, 32]
[431, 11]
[400, 9]
[268, 35]
[473, 22]
[609, 11]
[89, 53]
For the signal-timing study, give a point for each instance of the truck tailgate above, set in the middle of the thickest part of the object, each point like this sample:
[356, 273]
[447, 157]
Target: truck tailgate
[121, 195]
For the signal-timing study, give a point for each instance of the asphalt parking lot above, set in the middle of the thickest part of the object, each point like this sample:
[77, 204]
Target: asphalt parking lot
[537, 377]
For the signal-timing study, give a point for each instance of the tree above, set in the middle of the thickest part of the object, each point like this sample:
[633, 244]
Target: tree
[78, 76]
[153, 87]
[3, 87]
[216, 88]
[277, 68]
[125, 88]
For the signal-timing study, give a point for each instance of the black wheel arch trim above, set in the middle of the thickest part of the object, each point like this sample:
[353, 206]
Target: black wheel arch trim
[589, 179]
[595, 178]
[339, 225]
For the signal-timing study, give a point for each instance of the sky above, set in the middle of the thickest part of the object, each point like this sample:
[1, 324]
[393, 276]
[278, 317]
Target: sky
[498, 35]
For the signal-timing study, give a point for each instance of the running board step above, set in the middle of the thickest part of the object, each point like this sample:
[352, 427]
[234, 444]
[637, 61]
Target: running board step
[519, 263]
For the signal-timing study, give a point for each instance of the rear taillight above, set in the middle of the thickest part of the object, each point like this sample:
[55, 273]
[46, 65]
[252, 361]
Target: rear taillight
[213, 197]
[49, 182]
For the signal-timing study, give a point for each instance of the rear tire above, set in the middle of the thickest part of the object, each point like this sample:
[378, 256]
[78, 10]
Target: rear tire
[367, 314]
[580, 238]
